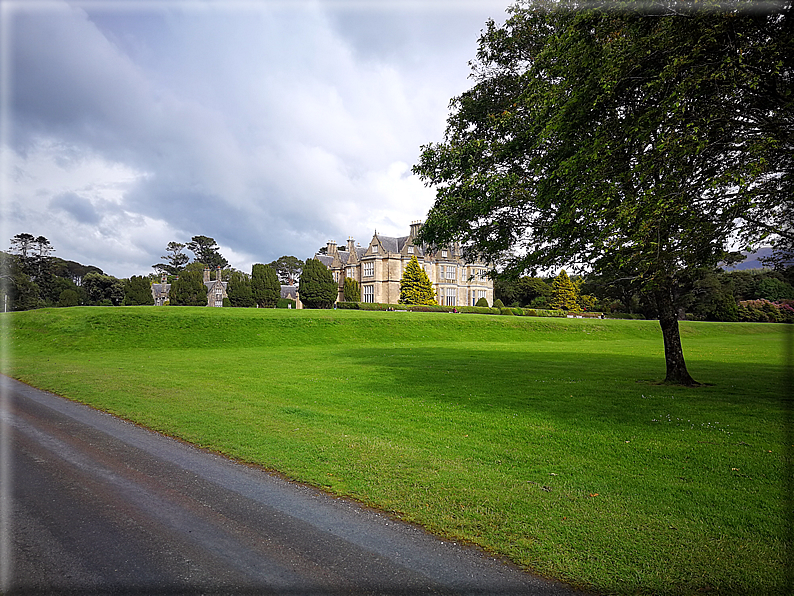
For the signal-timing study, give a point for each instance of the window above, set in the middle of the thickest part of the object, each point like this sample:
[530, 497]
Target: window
[351, 272]
[444, 253]
[336, 276]
[450, 298]
[410, 250]
[368, 269]
[450, 274]
[368, 293]
[374, 248]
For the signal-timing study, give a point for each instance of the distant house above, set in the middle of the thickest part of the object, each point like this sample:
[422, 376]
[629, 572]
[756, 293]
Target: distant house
[216, 289]
[379, 267]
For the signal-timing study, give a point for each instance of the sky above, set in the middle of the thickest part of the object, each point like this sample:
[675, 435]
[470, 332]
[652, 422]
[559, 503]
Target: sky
[272, 127]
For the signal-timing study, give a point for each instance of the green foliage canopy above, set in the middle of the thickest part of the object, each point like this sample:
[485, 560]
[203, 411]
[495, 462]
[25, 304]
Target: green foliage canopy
[265, 286]
[352, 290]
[288, 269]
[138, 292]
[189, 289]
[206, 251]
[645, 143]
[415, 286]
[317, 287]
[239, 290]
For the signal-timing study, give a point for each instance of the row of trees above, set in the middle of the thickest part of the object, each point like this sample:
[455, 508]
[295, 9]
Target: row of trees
[712, 296]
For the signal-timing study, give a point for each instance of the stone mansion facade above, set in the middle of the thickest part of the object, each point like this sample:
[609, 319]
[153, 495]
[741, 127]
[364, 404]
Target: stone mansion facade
[379, 267]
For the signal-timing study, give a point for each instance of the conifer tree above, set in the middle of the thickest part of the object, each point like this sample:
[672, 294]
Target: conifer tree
[415, 286]
[265, 286]
[317, 287]
[189, 289]
[138, 291]
[352, 290]
[564, 294]
[239, 290]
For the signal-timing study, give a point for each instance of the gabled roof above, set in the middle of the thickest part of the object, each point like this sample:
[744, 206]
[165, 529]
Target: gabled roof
[326, 260]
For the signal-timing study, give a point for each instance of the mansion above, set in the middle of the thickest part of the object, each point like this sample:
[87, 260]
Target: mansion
[378, 268]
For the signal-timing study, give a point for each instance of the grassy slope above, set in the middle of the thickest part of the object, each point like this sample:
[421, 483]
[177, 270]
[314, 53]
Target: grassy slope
[546, 440]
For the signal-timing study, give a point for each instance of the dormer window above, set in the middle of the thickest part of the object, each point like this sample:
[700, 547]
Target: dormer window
[374, 248]
[410, 250]
[444, 253]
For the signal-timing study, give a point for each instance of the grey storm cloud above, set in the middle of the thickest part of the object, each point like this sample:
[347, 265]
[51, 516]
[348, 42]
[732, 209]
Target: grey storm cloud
[80, 208]
[272, 127]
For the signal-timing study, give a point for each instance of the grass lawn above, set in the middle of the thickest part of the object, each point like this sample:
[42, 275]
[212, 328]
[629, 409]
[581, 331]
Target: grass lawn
[546, 440]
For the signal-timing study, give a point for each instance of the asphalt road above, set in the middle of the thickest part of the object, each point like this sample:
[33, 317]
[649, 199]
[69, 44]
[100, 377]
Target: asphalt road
[90, 504]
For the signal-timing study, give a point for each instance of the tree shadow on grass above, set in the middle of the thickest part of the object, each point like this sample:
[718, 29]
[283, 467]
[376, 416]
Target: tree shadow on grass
[563, 383]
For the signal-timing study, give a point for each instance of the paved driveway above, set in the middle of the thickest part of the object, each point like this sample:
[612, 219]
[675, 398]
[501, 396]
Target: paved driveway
[95, 505]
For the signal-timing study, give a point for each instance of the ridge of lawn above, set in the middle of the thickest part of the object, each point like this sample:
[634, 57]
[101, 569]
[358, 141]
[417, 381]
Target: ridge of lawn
[548, 441]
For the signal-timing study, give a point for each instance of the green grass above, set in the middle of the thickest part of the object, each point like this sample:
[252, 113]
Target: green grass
[546, 440]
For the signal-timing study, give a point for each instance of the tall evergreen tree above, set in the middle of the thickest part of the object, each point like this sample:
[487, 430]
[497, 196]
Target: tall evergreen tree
[564, 295]
[265, 286]
[189, 288]
[317, 287]
[239, 290]
[415, 286]
[138, 292]
[352, 290]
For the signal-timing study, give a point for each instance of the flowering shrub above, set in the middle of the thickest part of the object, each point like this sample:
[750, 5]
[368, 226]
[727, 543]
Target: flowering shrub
[764, 311]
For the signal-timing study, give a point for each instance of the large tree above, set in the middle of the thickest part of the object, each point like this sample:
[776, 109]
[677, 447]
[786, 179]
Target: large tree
[264, 286]
[189, 288]
[138, 291]
[239, 290]
[206, 251]
[103, 289]
[288, 269]
[317, 287]
[616, 138]
[175, 260]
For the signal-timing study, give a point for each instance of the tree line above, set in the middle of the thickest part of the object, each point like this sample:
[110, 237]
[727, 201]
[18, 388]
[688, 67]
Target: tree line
[717, 295]
[31, 277]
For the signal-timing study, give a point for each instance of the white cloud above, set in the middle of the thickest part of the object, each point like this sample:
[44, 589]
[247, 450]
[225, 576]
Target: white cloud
[271, 127]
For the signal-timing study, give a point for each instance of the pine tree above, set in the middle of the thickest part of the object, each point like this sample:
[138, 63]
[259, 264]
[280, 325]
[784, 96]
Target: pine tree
[352, 290]
[564, 294]
[265, 286]
[317, 287]
[415, 286]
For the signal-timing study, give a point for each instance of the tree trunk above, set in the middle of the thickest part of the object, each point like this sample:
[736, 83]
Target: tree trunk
[677, 373]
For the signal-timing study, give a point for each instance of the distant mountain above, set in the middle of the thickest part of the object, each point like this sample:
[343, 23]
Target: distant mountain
[752, 260]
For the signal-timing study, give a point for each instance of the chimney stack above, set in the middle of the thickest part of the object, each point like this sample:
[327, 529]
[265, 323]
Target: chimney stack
[206, 274]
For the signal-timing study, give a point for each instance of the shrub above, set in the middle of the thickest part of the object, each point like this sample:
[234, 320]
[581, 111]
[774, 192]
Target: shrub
[227, 303]
[68, 298]
[506, 311]
[498, 303]
[482, 303]
[285, 303]
[348, 305]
